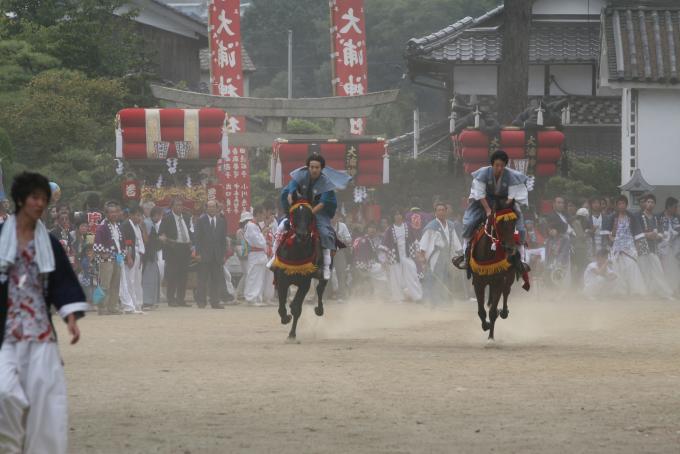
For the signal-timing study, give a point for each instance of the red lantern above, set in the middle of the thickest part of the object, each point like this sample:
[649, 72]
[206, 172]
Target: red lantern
[541, 148]
[131, 190]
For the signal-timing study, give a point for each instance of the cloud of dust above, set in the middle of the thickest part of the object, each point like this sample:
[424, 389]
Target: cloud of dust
[534, 317]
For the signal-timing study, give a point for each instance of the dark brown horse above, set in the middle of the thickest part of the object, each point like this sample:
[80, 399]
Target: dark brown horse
[298, 261]
[491, 263]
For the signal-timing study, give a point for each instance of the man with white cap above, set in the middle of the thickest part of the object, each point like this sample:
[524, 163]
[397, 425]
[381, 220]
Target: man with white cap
[253, 291]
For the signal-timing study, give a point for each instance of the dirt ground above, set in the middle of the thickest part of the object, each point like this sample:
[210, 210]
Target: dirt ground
[375, 378]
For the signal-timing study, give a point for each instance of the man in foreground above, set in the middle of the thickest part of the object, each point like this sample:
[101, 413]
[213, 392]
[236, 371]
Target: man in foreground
[35, 275]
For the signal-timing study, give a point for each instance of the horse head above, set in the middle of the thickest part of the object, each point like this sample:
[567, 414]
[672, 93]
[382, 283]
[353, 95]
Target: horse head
[505, 219]
[301, 220]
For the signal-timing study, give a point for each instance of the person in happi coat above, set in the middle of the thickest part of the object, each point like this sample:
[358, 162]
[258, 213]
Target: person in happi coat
[241, 251]
[599, 278]
[489, 184]
[211, 247]
[648, 257]
[175, 234]
[131, 297]
[623, 229]
[417, 219]
[558, 254]
[254, 290]
[438, 245]
[401, 249]
[669, 247]
[317, 184]
[109, 253]
[342, 259]
[595, 220]
[35, 277]
[561, 221]
[366, 266]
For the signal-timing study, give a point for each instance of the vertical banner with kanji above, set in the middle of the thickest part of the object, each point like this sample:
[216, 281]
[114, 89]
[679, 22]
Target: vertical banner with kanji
[226, 79]
[235, 182]
[349, 64]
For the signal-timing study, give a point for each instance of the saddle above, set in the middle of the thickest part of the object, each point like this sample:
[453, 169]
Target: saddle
[500, 262]
[304, 266]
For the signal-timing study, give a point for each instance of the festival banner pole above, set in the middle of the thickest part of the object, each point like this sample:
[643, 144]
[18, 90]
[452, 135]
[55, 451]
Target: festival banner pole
[226, 79]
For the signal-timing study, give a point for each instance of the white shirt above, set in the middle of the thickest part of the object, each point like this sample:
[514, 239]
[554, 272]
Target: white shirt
[116, 236]
[343, 233]
[253, 236]
[212, 221]
[139, 240]
[182, 230]
[400, 233]
[445, 228]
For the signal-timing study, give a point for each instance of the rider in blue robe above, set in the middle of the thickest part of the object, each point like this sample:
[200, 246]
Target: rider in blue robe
[491, 183]
[317, 183]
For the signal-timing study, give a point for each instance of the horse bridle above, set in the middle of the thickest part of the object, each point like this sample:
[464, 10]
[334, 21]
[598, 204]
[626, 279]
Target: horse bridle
[297, 205]
[507, 214]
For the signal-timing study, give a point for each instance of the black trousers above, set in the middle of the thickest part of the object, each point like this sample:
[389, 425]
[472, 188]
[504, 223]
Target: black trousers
[176, 272]
[210, 283]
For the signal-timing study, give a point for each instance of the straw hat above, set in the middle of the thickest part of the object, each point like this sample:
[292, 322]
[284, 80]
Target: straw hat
[246, 216]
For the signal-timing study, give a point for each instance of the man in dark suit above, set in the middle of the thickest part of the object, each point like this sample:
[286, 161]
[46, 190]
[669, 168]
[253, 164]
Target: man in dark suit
[211, 246]
[176, 238]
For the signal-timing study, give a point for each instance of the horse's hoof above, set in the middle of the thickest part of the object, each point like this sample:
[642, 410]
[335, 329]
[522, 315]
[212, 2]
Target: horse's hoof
[292, 340]
[504, 313]
[486, 325]
[285, 319]
[318, 310]
[490, 343]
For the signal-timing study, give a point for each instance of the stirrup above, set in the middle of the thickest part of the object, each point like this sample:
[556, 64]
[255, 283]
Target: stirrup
[460, 262]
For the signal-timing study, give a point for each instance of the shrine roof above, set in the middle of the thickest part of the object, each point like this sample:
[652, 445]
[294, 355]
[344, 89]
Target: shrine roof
[642, 42]
[479, 41]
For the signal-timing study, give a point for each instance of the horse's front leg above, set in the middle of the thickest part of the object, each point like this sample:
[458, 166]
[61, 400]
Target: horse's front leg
[296, 307]
[283, 299]
[506, 293]
[479, 293]
[494, 298]
[320, 288]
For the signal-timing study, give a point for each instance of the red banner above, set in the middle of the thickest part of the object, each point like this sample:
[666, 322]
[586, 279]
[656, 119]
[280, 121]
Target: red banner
[234, 176]
[350, 68]
[226, 75]
[226, 79]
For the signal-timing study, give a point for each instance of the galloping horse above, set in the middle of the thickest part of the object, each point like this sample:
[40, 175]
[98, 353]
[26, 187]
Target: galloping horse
[298, 261]
[492, 249]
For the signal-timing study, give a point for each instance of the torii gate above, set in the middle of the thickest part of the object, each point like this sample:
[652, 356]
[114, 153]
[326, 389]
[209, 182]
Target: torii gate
[276, 111]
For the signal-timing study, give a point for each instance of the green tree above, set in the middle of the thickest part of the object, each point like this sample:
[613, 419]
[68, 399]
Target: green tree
[61, 109]
[586, 177]
[84, 35]
[6, 148]
[19, 63]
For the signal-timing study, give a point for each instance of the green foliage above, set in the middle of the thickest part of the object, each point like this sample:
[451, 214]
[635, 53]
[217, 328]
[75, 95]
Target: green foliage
[62, 109]
[265, 28]
[6, 148]
[19, 63]
[83, 34]
[390, 24]
[586, 177]
[300, 126]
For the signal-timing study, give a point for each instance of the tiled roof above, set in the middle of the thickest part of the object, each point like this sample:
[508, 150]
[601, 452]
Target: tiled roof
[643, 42]
[480, 41]
[585, 110]
[248, 65]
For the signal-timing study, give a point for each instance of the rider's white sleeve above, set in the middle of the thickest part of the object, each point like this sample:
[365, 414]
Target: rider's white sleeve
[477, 190]
[520, 193]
